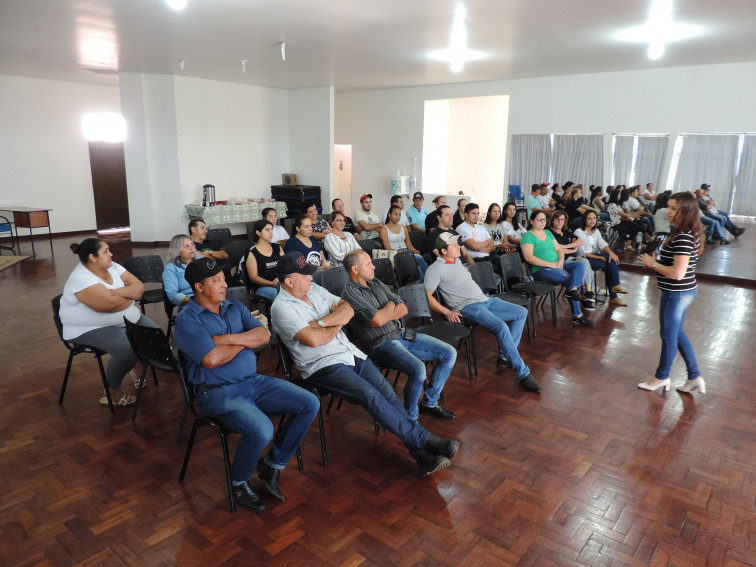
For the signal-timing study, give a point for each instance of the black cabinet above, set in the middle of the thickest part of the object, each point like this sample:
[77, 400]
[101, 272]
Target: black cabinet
[295, 197]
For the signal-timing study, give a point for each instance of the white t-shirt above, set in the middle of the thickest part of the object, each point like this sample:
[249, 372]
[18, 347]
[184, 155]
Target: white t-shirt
[631, 204]
[369, 218]
[477, 233]
[77, 318]
[279, 234]
[592, 243]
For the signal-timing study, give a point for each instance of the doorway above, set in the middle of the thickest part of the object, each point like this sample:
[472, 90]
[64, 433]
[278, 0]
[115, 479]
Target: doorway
[109, 185]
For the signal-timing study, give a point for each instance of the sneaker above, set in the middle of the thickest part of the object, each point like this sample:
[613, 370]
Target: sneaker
[617, 301]
[589, 301]
[724, 241]
[573, 294]
[502, 362]
[530, 384]
[583, 321]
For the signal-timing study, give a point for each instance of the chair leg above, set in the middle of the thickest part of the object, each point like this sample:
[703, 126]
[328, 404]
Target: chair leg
[469, 359]
[154, 376]
[181, 425]
[139, 392]
[321, 429]
[300, 466]
[553, 308]
[227, 462]
[104, 383]
[189, 446]
[65, 379]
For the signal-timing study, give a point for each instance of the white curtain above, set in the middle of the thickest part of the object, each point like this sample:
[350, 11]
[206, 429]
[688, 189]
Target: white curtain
[623, 159]
[530, 160]
[578, 158]
[744, 202]
[649, 162]
[707, 158]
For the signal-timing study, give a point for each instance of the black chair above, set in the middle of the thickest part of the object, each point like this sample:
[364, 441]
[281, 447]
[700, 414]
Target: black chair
[168, 306]
[150, 345]
[236, 251]
[73, 350]
[368, 245]
[147, 269]
[417, 238]
[416, 299]
[222, 430]
[482, 274]
[384, 271]
[511, 280]
[335, 279]
[288, 224]
[405, 267]
[220, 236]
[239, 293]
[256, 301]
[6, 226]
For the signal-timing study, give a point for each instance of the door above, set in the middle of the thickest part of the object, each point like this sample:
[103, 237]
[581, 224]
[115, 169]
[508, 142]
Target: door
[109, 184]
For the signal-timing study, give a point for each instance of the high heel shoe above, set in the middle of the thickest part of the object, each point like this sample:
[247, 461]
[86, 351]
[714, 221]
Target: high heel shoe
[695, 384]
[663, 383]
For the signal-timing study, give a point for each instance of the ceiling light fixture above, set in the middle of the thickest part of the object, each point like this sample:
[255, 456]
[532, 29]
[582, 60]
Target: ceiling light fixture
[176, 4]
[659, 29]
[182, 63]
[457, 53]
[244, 65]
[283, 51]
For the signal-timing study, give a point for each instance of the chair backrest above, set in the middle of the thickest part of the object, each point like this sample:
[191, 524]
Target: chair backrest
[56, 317]
[334, 280]
[405, 267]
[482, 274]
[289, 224]
[186, 387]
[239, 293]
[317, 277]
[287, 365]
[417, 238]
[511, 269]
[245, 277]
[147, 269]
[416, 299]
[220, 236]
[167, 305]
[384, 271]
[368, 245]
[236, 251]
[150, 346]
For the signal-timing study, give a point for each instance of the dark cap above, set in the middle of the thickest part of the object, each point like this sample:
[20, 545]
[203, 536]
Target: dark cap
[365, 196]
[294, 263]
[705, 186]
[446, 238]
[198, 270]
[418, 195]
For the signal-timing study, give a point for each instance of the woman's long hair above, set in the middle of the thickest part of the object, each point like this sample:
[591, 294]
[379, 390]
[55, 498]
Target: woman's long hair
[388, 214]
[258, 228]
[688, 219]
[297, 223]
[488, 218]
[174, 249]
[515, 217]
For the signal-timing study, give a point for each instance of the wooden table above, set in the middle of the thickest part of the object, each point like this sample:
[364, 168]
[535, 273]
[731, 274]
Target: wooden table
[27, 217]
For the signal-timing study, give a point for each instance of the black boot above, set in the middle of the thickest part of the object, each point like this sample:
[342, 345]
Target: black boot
[430, 463]
[245, 496]
[440, 446]
[269, 476]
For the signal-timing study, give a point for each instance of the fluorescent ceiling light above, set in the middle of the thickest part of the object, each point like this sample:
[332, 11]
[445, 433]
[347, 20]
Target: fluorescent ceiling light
[176, 4]
[659, 30]
[457, 54]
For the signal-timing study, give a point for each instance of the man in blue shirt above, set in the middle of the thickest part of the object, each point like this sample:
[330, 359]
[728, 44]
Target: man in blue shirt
[217, 337]
[532, 203]
[416, 214]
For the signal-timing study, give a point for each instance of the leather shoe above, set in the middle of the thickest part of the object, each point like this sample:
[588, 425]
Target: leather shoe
[430, 463]
[503, 363]
[245, 496]
[530, 384]
[437, 411]
[269, 476]
[440, 446]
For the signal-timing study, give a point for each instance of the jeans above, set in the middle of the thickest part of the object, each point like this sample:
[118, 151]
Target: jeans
[267, 292]
[408, 356]
[113, 340]
[570, 276]
[243, 405]
[506, 322]
[672, 308]
[611, 269]
[588, 277]
[724, 220]
[714, 228]
[364, 385]
[422, 266]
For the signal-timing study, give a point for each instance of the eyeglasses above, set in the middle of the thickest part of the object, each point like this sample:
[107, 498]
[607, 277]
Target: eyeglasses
[540, 219]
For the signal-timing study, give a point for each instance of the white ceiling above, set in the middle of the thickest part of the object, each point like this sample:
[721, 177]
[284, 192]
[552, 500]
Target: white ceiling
[352, 44]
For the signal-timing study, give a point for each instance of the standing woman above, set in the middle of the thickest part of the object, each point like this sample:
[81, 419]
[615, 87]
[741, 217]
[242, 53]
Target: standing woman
[97, 296]
[180, 252]
[262, 261]
[675, 268]
[395, 236]
[338, 243]
[600, 256]
[302, 241]
[495, 230]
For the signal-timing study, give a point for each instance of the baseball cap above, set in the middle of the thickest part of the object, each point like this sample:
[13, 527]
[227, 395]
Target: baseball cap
[294, 263]
[544, 184]
[199, 269]
[705, 186]
[418, 195]
[446, 238]
[365, 196]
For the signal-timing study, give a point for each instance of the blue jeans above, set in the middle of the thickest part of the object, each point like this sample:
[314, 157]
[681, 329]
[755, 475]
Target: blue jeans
[672, 308]
[714, 228]
[506, 322]
[422, 266]
[611, 269]
[243, 405]
[267, 292]
[364, 385]
[408, 356]
[570, 276]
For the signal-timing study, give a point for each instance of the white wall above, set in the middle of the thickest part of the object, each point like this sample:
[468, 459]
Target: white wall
[342, 177]
[44, 158]
[311, 139]
[385, 126]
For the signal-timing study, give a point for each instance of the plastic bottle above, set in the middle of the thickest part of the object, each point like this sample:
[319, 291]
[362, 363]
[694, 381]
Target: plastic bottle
[396, 183]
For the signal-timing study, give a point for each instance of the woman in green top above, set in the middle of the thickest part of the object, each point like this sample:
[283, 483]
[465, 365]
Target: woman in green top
[546, 258]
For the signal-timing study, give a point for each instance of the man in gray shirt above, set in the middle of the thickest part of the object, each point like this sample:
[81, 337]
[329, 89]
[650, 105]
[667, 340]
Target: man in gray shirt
[377, 326]
[465, 299]
[309, 321]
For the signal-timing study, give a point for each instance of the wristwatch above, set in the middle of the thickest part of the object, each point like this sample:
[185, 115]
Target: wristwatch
[321, 324]
[654, 266]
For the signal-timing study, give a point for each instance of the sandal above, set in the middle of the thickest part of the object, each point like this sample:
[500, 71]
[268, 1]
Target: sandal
[126, 400]
[135, 380]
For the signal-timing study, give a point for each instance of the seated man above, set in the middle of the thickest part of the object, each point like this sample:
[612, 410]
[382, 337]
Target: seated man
[709, 208]
[377, 326]
[309, 321]
[366, 219]
[431, 221]
[445, 220]
[203, 247]
[399, 202]
[465, 298]
[337, 206]
[416, 214]
[476, 239]
[532, 203]
[217, 337]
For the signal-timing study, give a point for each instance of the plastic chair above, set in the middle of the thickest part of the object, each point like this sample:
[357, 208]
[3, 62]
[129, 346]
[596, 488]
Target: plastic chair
[6, 226]
[220, 236]
[73, 350]
[223, 431]
[150, 345]
[236, 251]
[482, 274]
[417, 238]
[405, 267]
[384, 271]
[147, 269]
[335, 279]
[416, 299]
[368, 245]
[511, 270]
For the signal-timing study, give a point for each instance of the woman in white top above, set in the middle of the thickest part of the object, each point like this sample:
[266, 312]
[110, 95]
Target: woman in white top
[97, 296]
[280, 236]
[396, 237]
[600, 256]
[496, 230]
[661, 222]
[511, 225]
[338, 242]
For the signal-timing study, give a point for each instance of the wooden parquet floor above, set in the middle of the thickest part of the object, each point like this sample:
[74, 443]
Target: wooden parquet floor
[591, 472]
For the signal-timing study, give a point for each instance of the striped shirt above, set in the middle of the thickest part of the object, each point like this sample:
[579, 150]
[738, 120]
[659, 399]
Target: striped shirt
[366, 301]
[685, 244]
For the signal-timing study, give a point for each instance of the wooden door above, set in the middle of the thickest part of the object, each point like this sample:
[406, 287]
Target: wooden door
[109, 184]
